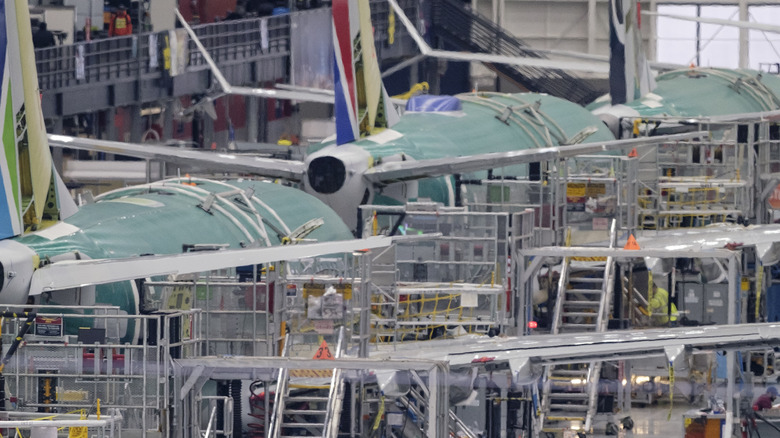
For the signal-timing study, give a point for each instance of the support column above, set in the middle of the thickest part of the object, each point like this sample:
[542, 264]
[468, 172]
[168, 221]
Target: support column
[652, 27]
[744, 34]
[208, 132]
[252, 119]
[167, 128]
[262, 120]
[592, 26]
[110, 132]
[136, 124]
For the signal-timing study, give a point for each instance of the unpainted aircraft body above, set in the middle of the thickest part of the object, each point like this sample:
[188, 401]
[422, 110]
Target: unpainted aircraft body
[696, 93]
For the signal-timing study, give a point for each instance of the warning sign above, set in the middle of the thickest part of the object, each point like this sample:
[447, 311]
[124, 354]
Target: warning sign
[48, 326]
[588, 190]
[323, 352]
[575, 190]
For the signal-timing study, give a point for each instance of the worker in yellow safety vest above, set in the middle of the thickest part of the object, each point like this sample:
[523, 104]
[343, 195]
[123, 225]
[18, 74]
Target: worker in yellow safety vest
[659, 306]
[121, 24]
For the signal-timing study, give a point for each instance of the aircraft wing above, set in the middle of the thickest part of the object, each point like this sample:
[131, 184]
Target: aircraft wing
[270, 167]
[765, 238]
[583, 347]
[408, 170]
[77, 273]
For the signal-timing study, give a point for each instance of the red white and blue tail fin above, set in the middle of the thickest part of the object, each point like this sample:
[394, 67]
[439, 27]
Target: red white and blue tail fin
[30, 190]
[629, 73]
[362, 104]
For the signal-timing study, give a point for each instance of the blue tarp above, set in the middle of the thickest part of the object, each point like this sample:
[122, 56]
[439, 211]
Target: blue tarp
[428, 103]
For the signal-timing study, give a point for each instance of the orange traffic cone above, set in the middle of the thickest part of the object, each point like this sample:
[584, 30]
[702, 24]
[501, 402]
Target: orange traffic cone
[631, 243]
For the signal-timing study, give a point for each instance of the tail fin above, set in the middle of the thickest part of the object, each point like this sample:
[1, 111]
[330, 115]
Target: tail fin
[28, 177]
[362, 104]
[629, 73]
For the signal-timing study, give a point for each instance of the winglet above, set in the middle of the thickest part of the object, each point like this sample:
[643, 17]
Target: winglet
[631, 243]
[629, 71]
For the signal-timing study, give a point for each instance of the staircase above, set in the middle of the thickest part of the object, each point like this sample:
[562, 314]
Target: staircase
[570, 392]
[451, 22]
[311, 411]
[415, 406]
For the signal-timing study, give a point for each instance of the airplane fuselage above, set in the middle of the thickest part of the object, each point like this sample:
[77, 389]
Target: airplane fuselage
[698, 92]
[484, 123]
[167, 217]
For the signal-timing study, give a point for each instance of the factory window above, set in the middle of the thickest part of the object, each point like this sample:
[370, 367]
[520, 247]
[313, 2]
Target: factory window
[764, 46]
[688, 42]
[714, 45]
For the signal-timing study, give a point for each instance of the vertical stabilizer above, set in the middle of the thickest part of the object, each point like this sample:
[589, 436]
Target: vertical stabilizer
[362, 104]
[27, 171]
[629, 71]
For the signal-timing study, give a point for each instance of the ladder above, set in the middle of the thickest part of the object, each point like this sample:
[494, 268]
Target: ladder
[416, 404]
[570, 392]
[307, 412]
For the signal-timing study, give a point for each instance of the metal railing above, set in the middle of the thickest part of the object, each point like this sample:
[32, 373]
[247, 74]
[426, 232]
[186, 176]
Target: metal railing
[142, 57]
[467, 30]
[122, 374]
[129, 57]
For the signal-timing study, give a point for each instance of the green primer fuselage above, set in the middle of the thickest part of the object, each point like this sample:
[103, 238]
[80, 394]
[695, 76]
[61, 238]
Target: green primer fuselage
[160, 218]
[536, 120]
[702, 92]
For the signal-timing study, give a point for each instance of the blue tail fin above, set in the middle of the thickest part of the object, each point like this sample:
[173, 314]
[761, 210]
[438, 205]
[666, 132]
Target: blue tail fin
[629, 71]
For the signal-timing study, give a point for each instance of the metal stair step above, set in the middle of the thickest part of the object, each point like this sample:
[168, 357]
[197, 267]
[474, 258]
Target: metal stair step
[320, 425]
[569, 407]
[578, 325]
[305, 411]
[565, 314]
[569, 396]
[307, 398]
[584, 291]
[573, 417]
[571, 303]
[590, 280]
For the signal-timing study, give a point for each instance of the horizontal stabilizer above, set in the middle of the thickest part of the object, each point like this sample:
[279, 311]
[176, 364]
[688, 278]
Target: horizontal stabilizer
[77, 273]
[409, 170]
[269, 167]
